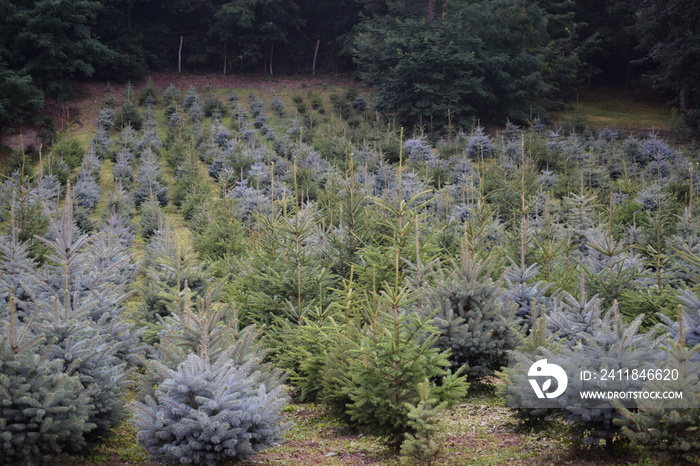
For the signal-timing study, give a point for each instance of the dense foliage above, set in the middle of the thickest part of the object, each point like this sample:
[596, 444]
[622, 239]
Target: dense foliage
[465, 65]
[436, 62]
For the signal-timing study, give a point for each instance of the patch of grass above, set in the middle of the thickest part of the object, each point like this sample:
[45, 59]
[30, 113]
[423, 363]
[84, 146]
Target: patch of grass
[122, 448]
[618, 108]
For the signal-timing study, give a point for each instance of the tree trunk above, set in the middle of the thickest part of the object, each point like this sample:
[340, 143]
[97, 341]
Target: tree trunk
[225, 57]
[313, 65]
[272, 49]
[444, 9]
[179, 55]
[431, 10]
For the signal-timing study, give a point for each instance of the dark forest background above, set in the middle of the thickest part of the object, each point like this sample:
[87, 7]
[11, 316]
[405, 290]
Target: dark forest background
[436, 59]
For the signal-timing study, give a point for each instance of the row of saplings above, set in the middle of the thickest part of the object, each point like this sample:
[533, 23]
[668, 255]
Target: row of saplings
[388, 363]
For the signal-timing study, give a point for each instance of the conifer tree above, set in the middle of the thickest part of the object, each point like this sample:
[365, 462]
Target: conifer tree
[101, 143]
[611, 267]
[689, 327]
[105, 119]
[117, 225]
[579, 218]
[215, 399]
[571, 317]
[152, 217]
[283, 275]
[123, 170]
[475, 324]
[537, 345]
[423, 443]
[88, 350]
[87, 192]
[170, 266]
[191, 97]
[189, 174]
[683, 247]
[15, 260]
[402, 212]
[91, 163]
[379, 391]
[128, 114]
[25, 206]
[526, 296]
[673, 431]
[614, 345]
[43, 410]
[302, 351]
[126, 140]
[219, 232]
[150, 139]
[74, 315]
[150, 181]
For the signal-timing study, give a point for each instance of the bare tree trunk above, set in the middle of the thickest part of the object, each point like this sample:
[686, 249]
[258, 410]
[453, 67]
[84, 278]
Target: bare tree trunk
[225, 57]
[179, 55]
[444, 9]
[431, 10]
[272, 49]
[313, 66]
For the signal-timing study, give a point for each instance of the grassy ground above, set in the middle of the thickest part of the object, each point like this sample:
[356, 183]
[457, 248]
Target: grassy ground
[634, 111]
[478, 432]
